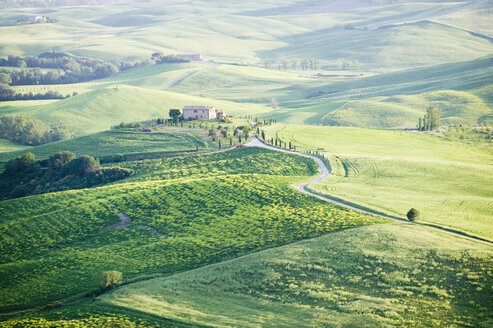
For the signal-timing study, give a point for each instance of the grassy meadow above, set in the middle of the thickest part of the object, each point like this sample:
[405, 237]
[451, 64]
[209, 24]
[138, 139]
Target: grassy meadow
[378, 276]
[207, 238]
[100, 109]
[121, 141]
[62, 234]
[393, 171]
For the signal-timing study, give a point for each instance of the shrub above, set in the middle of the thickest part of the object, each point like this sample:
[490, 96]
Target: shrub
[111, 279]
[412, 214]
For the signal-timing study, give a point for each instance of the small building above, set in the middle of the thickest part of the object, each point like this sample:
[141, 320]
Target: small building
[39, 19]
[191, 57]
[200, 113]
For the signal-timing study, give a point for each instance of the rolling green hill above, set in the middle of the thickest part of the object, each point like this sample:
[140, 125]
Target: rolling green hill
[100, 109]
[378, 276]
[458, 107]
[182, 213]
[256, 30]
[109, 143]
[403, 46]
[226, 238]
[447, 179]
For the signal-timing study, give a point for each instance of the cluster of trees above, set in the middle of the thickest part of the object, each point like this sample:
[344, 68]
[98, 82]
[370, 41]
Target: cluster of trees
[30, 131]
[69, 69]
[62, 171]
[160, 58]
[431, 120]
[304, 65]
[8, 94]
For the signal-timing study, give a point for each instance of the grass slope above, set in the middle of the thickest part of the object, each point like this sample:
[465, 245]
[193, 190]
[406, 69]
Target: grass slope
[410, 45]
[253, 30]
[202, 209]
[378, 276]
[392, 171]
[9, 146]
[115, 142]
[458, 107]
[97, 110]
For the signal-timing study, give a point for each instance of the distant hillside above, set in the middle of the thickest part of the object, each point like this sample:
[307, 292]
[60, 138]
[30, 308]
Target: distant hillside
[55, 3]
[383, 35]
[404, 111]
[98, 110]
[394, 47]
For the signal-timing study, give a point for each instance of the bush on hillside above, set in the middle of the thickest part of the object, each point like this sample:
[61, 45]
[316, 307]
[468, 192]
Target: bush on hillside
[412, 214]
[111, 279]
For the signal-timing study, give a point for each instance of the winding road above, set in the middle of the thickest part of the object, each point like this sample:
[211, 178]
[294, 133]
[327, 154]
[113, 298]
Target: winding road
[255, 142]
[325, 173]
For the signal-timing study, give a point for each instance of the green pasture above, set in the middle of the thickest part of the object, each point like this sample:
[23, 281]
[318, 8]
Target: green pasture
[124, 141]
[379, 276]
[100, 109]
[389, 36]
[392, 171]
[458, 107]
[9, 146]
[199, 216]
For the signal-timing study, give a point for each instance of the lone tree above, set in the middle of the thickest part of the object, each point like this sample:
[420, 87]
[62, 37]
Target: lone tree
[111, 279]
[412, 214]
[174, 114]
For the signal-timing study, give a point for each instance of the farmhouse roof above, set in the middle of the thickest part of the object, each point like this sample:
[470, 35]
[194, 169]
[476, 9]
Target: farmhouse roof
[199, 107]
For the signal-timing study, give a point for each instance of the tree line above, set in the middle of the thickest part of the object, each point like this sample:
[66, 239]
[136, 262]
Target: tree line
[160, 58]
[62, 171]
[69, 68]
[30, 131]
[431, 120]
[9, 94]
[304, 64]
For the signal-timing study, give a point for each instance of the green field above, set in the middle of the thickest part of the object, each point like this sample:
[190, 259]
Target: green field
[61, 233]
[100, 109]
[208, 234]
[378, 276]
[124, 141]
[425, 57]
[9, 146]
[393, 171]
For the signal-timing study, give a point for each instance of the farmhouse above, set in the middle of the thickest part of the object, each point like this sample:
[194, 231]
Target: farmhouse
[201, 113]
[39, 19]
[191, 57]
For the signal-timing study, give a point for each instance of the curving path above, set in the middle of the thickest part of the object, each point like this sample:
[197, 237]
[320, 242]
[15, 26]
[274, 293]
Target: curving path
[325, 173]
[178, 79]
[255, 142]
